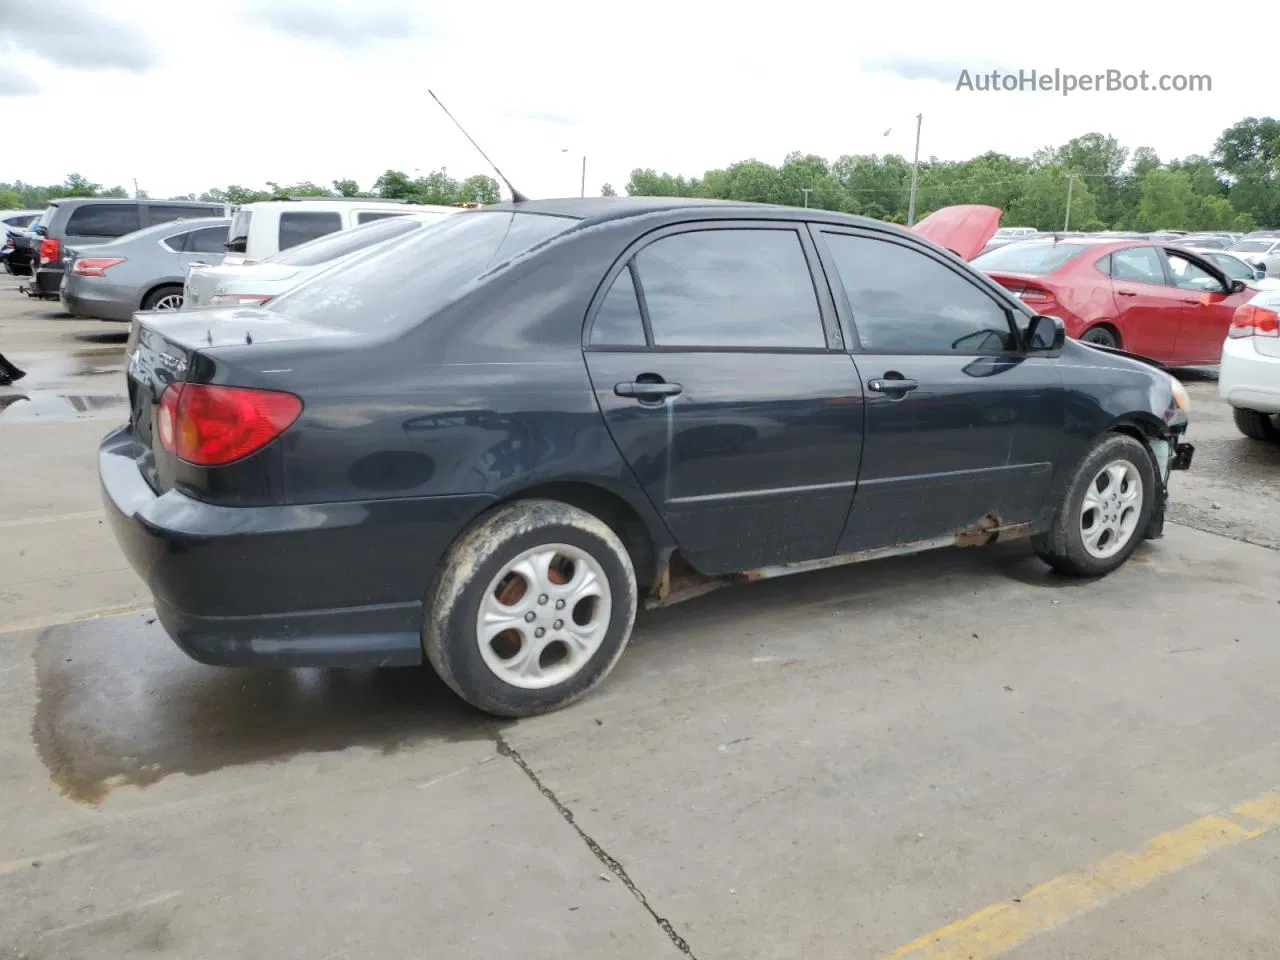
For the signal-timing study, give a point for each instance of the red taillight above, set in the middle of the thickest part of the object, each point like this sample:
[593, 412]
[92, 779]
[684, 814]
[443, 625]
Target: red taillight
[50, 250]
[212, 426]
[1251, 321]
[230, 298]
[94, 266]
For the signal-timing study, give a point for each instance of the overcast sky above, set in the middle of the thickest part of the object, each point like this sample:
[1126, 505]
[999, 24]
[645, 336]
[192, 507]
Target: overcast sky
[188, 94]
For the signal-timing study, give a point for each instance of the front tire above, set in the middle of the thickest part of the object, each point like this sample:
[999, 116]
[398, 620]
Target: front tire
[1108, 505]
[532, 608]
[1255, 425]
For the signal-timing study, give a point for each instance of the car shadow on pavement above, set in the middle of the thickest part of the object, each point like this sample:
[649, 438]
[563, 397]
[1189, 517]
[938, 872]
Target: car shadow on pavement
[119, 704]
[106, 336]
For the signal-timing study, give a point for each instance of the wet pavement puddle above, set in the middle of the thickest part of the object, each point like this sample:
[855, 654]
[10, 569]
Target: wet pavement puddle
[28, 405]
[119, 704]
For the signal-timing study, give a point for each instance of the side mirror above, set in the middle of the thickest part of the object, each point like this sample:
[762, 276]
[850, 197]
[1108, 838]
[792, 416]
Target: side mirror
[1259, 274]
[1046, 334]
[1237, 286]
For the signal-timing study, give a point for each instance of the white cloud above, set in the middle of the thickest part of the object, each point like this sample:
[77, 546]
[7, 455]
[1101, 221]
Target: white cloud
[288, 90]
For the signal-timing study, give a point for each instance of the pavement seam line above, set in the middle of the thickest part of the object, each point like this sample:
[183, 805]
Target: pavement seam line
[505, 749]
[1000, 927]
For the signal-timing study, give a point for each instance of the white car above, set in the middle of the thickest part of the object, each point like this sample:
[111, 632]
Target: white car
[260, 230]
[249, 283]
[1262, 251]
[1249, 375]
[1237, 269]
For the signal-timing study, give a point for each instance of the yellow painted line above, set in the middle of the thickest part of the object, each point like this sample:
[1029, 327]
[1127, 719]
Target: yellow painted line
[29, 863]
[1000, 927]
[62, 619]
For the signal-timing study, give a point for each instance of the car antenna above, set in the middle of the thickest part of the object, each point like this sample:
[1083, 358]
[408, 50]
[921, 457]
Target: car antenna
[516, 195]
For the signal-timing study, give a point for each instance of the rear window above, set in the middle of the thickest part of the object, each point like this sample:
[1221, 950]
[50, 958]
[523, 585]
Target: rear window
[345, 242]
[1034, 259]
[103, 220]
[303, 225]
[45, 218]
[1251, 246]
[390, 288]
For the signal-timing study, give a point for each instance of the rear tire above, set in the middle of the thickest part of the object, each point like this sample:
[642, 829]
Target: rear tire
[1255, 425]
[163, 298]
[532, 608]
[1105, 512]
[1103, 336]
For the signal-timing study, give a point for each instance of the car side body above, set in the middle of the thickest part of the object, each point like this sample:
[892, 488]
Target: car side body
[140, 271]
[576, 371]
[1249, 372]
[1156, 300]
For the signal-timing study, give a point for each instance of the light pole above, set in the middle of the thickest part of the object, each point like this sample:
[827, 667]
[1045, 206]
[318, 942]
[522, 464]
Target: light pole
[915, 170]
[583, 190]
[1071, 182]
[806, 191]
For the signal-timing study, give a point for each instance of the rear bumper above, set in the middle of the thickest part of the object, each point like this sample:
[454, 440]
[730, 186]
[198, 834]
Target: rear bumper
[47, 280]
[107, 303]
[339, 584]
[1248, 379]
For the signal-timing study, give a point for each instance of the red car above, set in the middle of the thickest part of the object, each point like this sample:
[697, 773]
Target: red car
[1154, 299]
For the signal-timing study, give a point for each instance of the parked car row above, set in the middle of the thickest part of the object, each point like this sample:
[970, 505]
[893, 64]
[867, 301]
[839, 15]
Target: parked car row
[1259, 251]
[108, 258]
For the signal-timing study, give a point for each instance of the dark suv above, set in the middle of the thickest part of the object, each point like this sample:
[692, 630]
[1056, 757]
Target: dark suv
[81, 221]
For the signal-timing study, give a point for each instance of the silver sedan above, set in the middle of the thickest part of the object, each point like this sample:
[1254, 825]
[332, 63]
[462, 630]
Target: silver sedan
[144, 270]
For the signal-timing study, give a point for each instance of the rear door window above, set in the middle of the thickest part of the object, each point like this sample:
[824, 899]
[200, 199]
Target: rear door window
[730, 288]
[299, 226]
[206, 240]
[103, 220]
[1138, 265]
[618, 322]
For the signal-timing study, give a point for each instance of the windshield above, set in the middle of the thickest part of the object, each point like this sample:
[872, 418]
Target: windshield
[398, 284]
[332, 246]
[1034, 259]
[1252, 246]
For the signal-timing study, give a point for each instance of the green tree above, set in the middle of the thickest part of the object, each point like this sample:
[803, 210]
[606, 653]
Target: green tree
[650, 183]
[436, 187]
[394, 185]
[10, 199]
[346, 188]
[1043, 203]
[608, 191]
[78, 186]
[1168, 201]
[479, 189]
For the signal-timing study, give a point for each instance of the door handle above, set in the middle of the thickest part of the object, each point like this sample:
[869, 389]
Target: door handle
[644, 390]
[892, 385]
[1126, 293]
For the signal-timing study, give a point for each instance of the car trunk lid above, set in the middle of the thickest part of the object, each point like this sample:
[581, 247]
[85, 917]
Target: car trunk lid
[963, 229]
[167, 348]
[205, 283]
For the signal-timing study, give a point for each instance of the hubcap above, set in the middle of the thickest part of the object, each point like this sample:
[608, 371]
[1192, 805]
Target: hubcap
[172, 301]
[1111, 508]
[544, 616]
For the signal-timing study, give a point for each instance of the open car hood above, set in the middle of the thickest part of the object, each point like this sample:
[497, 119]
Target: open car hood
[963, 229]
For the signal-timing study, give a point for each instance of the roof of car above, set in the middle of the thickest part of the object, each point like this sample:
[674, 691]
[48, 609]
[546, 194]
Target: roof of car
[609, 208]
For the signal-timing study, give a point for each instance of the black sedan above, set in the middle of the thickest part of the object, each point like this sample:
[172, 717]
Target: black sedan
[485, 446]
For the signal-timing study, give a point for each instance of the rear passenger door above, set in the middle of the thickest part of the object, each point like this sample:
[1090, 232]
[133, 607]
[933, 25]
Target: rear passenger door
[719, 368]
[961, 423]
[299, 226]
[1149, 307]
[202, 247]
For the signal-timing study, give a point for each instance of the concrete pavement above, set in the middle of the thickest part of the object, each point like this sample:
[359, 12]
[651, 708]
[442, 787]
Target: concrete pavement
[946, 756]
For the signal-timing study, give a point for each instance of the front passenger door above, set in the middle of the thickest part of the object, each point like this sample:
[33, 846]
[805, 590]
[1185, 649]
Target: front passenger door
[962, 424]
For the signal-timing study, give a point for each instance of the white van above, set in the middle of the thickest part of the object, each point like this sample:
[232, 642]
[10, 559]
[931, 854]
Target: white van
[259, 230]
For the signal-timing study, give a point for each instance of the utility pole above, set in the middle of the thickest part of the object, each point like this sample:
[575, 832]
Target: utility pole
[135, 188]
[915, 170]
[583, 193]
[806, 191]
[1071, 182]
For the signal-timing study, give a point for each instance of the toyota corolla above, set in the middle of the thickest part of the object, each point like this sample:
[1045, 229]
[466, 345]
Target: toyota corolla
[485, 446]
